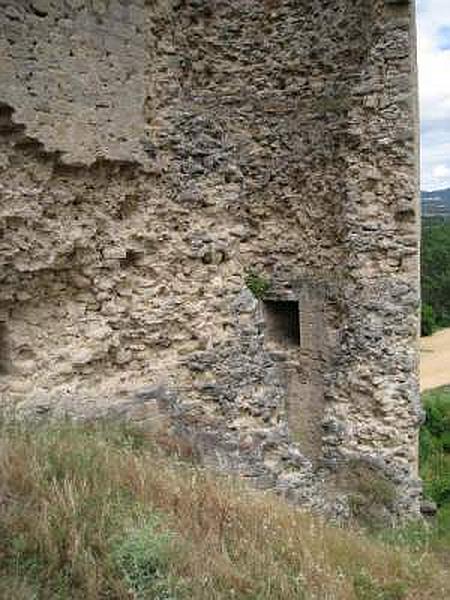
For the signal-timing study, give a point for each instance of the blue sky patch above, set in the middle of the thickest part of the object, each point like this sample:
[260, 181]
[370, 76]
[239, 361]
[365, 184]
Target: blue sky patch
[444, 38]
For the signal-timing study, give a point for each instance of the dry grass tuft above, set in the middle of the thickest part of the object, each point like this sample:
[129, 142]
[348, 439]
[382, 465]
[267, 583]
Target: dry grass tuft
[99, 512]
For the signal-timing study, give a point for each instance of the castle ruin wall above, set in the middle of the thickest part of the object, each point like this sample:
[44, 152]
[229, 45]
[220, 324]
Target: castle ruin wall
[209, 219]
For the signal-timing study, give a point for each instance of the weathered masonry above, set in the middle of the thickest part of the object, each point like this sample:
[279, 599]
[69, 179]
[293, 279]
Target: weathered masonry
[209, 221]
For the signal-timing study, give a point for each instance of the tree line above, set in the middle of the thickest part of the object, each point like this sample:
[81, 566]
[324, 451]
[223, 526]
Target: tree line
[435, 270]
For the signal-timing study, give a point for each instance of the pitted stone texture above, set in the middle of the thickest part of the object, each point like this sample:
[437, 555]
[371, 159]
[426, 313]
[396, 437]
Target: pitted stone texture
[182, 146]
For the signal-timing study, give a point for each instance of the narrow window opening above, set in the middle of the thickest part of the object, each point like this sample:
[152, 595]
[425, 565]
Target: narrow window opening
[282, 319]
[4, 350]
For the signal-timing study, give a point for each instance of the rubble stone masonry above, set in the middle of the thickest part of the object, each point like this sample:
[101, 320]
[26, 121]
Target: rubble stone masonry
[209, 221]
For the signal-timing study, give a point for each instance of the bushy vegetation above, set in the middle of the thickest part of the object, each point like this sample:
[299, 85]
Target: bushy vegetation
[435, 457]
[257, 284]
[435, 267]
[97, 512]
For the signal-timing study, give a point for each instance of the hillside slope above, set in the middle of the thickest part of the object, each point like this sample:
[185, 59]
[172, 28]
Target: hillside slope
[99, 512]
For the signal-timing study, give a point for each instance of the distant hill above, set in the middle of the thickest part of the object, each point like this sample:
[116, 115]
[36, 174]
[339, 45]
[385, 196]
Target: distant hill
[436, 203]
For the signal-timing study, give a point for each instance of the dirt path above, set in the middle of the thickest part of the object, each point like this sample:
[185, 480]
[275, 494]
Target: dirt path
[435, 360]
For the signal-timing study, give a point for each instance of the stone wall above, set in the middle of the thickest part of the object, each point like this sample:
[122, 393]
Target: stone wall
[172, 171]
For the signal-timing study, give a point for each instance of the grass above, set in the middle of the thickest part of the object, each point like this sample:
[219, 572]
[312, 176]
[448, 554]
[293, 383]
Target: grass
[372, 495]
[433, 535]
[100, 512]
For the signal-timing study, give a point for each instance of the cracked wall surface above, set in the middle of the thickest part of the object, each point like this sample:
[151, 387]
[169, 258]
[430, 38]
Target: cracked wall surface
[154, 156]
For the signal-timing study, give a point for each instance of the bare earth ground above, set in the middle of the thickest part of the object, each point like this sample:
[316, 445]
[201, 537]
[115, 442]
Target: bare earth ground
[435, 360]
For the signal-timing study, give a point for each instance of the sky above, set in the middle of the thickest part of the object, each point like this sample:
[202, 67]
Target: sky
[433, 20]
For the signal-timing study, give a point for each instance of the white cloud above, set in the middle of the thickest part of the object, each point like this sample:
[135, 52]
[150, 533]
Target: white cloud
[434, 87]
[440, 172]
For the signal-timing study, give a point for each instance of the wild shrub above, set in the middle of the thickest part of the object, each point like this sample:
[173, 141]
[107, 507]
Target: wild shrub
[366, 588]
[257, 284]
[435, 446]
[142, 555]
